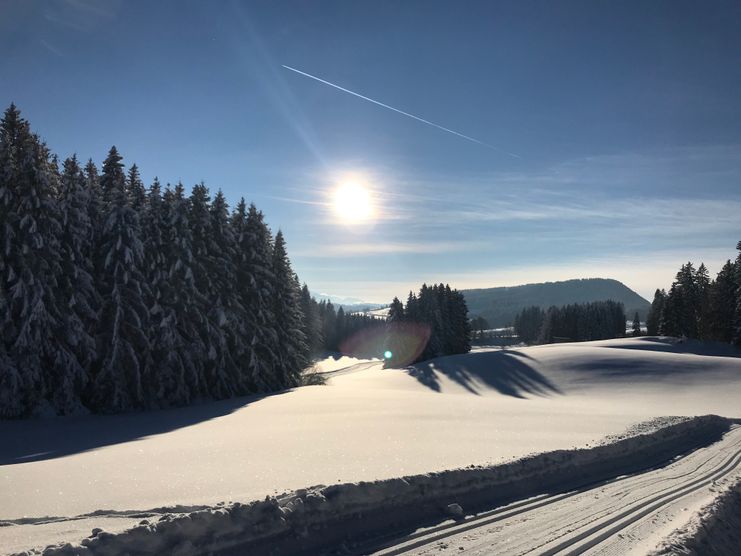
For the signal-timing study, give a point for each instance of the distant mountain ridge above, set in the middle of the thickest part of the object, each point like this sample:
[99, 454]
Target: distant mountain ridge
[500, 305]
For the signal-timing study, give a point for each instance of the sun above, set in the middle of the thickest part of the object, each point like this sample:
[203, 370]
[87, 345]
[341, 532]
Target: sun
[352, 202]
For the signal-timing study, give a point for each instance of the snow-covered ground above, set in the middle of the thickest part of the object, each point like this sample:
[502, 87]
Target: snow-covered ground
[336, 362]
[715, 529]
[381, 313]
[487, 407]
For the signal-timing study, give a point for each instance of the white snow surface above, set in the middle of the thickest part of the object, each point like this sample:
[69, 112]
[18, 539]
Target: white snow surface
[336, 362]
[714, 530]
[486, 407]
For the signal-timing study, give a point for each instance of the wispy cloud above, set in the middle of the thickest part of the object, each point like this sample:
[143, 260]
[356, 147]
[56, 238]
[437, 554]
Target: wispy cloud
[81, 15]
[595, 216]
[366, 249]
[51, 48]
[643, 272]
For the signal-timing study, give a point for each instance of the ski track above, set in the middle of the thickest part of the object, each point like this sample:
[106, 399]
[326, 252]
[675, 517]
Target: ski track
[621, 516]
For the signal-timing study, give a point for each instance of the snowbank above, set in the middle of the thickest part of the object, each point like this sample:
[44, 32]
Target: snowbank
[323, 516]
[715, 531]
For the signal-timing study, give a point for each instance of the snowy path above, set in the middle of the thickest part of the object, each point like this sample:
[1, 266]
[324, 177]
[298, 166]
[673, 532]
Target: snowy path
[627, 515]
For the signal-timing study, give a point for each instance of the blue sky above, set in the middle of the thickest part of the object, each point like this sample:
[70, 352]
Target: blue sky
[625, 117]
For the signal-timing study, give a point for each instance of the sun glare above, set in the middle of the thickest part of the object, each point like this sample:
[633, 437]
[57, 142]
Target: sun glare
[352, 202]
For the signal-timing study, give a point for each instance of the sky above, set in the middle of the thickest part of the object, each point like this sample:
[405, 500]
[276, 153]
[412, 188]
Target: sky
[607, 134]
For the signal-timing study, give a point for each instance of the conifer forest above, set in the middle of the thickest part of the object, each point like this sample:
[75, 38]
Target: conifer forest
[115, 296]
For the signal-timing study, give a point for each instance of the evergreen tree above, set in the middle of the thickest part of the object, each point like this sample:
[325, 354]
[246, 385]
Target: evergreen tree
[96, 211]
[44, 370]
[175, 373]
[118, 298]
[702, 284]
[636, 325]
[437, 310]
[254, 278]
[328, 317]
[77, 289]
[217, 367]
[135, 189]
[396, 311]
[598, 320]
[654, 313]
[123, 343]
[737, 315]
[687, 301]
[312, 321]
[184, 299]
[670, 313]
[293, 352]
[721, 305]
[226, 312]
[460, 338]
[528, 324]
[14, 391]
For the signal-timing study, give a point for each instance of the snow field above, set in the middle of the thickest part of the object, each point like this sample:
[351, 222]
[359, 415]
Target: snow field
[324, 516]
[487, 408]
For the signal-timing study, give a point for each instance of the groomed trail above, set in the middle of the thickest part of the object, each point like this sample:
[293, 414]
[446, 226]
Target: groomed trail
[627, 515]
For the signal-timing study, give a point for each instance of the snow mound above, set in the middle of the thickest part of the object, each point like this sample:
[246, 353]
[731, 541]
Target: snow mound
[323, 516]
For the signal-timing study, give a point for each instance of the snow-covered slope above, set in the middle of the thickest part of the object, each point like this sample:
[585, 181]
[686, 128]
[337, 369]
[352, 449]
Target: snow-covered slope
[482, 408]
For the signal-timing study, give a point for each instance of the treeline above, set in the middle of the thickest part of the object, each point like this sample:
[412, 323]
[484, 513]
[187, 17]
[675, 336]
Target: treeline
[433, 322]
[577, 322]
[330, 329]
[697, 307]
[115, 297]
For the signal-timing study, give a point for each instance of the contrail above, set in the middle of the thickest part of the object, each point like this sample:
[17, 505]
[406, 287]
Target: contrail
[407, 114]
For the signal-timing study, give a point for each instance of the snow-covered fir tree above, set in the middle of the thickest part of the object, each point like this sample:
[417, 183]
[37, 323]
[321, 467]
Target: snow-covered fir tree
[225, 307]
[77, 289]
[253, 264]
[135, 189]
[293, 353]
[114, 298]
[167, 385]
[95, 205]
[653, 320]
[48, 372]
[123, 344]
[721, 305]
[312, 321]
[183, 304]
[737, 312]
[213, 277]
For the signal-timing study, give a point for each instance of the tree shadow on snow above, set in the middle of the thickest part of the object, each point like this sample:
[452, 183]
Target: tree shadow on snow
[49, 438]
[675, 345]
[503, 371]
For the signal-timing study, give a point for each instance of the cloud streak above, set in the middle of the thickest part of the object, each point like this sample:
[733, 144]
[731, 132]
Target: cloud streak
[407, 114]
[366, 249]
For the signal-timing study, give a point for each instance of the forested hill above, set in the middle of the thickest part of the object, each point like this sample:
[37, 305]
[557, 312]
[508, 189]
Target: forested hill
[500, 305]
